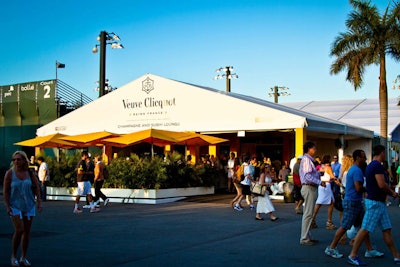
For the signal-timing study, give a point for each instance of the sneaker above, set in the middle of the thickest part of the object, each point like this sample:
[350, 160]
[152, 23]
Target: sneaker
[389, 203]
[96, 203]
[396, 260]
[14, 262]
[356, 261]
[93, 210]
[333, 252]
[106, 201]
[24, 262]
[77, 210]
[238, 208]
[86, 207]
[330, 226]
[252, 207]
[373, 254]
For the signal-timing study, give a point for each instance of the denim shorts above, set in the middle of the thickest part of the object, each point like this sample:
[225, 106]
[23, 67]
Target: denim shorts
[29, 214]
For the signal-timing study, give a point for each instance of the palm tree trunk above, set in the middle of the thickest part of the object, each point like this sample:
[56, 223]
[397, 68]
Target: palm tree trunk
[383, 99]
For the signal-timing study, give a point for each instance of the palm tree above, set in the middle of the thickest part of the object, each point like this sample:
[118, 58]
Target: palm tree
[369, 38]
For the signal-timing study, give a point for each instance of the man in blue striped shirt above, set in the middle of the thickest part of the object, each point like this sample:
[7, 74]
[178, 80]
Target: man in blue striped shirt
[310, 180]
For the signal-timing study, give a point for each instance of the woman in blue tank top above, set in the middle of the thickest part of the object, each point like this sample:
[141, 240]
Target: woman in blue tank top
[21, 194]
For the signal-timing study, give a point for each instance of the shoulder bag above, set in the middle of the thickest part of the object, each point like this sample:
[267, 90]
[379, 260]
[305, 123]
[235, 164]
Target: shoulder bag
[258, 189]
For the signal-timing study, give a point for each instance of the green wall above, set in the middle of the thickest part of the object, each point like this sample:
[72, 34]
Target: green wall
[24, 107]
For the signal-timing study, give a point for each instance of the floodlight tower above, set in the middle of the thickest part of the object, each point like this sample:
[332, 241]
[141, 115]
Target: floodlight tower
[278, 91]
[227, 74]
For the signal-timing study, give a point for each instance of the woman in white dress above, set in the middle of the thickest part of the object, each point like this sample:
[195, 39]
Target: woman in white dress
[264, 204]
[325, 194]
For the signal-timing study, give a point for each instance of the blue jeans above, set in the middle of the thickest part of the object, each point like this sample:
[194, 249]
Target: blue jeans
[43, 191]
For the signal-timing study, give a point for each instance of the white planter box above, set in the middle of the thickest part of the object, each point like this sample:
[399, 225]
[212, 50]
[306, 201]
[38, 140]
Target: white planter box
[142, 196]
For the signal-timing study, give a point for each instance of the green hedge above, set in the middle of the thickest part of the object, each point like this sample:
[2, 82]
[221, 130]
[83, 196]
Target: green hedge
[138, 172]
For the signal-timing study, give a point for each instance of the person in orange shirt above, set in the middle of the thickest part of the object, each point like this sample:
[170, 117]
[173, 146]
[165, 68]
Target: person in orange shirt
[98, 181]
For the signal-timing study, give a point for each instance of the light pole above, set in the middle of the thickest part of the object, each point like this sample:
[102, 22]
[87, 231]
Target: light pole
[105, 38]
[278, 91]
[228, 74]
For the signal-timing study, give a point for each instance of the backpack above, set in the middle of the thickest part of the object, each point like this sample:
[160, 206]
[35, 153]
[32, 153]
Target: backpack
[240, 173]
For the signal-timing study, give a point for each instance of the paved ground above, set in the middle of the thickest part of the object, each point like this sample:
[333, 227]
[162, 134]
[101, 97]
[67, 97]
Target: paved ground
[199, 231]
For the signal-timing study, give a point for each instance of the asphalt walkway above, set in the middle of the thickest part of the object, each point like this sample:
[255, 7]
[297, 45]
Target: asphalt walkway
[198, 231]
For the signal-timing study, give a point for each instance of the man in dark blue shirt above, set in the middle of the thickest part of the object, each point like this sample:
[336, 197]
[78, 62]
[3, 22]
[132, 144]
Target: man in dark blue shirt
[376, 215]
[353, 207]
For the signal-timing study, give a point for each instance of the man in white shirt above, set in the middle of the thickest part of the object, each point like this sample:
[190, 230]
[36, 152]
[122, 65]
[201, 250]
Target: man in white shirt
[249, 171]
[44, 176]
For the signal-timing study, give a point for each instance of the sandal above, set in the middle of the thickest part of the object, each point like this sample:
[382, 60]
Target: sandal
[330, 226]
[14, 262]
[24, 262]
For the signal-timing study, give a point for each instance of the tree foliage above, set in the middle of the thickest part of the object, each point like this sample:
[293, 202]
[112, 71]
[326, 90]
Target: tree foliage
[369, 38]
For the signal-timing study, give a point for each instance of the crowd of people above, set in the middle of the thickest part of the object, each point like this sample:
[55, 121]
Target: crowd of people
[364, 208]
[241, 176]
[359, 191]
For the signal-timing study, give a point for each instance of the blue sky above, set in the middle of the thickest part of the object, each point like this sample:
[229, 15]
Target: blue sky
[269, 42]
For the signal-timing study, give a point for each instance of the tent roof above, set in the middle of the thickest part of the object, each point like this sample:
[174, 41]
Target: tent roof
[155, 102]
[362, 113]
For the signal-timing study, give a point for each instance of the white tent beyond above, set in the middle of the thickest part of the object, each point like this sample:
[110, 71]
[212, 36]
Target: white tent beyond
[360, 112]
